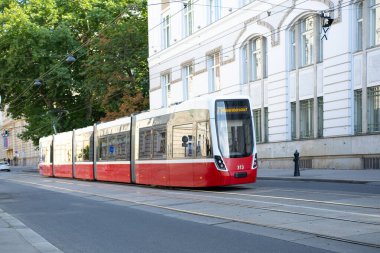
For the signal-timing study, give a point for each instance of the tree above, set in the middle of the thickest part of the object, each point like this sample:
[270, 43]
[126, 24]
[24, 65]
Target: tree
[109, 78]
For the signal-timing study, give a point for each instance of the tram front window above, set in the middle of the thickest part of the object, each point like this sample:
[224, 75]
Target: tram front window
[234, 128]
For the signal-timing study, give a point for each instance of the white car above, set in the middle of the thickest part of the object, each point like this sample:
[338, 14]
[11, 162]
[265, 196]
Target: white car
[4, 166]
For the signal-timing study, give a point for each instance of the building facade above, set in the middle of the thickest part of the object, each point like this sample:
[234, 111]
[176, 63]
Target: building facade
[315, 88]
[12, 148]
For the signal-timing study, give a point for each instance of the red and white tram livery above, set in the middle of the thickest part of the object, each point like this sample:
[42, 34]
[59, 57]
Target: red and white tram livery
[198, 143]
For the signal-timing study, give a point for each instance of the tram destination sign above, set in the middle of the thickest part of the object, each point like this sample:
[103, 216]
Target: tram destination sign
[232, 110]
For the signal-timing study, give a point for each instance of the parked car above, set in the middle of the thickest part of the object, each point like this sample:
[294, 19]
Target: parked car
[4, 166]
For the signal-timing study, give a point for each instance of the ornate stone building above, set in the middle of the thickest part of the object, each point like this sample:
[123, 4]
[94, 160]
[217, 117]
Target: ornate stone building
[19, 152]
[315, 87]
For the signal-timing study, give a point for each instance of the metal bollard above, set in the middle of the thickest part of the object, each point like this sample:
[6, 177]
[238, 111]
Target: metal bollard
[296, 164]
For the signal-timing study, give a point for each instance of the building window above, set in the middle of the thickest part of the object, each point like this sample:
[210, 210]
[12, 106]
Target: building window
[320, 117]
[213, 68]
[257, 118]
[358, 111]
[257, 50]
[307, 40]
[166, 31]
[214, 9]
[188, 18]
[293, 48]
[373, 109]
[359, 26]
[166, 89]
[245, 2]
[254, 59]
[303, 42]
[245, 64]
[187, 79]
[266, 127]
[257, 121]
[306, 118]
[374, 19]
[293, 120]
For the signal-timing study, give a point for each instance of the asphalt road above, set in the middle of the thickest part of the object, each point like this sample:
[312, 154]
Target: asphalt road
[75, 224]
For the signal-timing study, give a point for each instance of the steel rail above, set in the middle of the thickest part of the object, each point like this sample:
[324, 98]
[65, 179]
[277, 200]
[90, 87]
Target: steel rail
[288, 198]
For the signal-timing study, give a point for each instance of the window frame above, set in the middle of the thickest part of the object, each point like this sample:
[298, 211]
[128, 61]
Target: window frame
[188, 18]
[214, 11]
[257, 122]
[166, 88]
[358, 116]
[298, 34]
[307, 42]
[187, 79]
[374, 32]
[306, 118]
[165, 30]
[359, 26]
[213, 69]
[373, 108]
[254, 59]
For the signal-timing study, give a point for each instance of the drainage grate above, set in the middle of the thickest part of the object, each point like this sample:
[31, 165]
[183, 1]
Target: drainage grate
[371, 162]
[306, 163]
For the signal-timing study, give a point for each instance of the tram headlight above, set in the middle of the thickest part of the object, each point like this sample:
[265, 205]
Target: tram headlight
[219, 163]
[254, 166]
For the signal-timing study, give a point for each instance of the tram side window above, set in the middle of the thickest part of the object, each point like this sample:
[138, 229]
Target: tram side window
[203, 147]
[111, 147]
[114, 147]
[45, 154]
[159, 142]
[145, 143]
[62, 153]
[102, 148]
[84, 148]
[183, 141]
[122, 146]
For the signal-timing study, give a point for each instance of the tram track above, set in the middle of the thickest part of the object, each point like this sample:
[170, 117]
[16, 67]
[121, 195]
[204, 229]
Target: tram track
[293, 199]
[225, 219]
[292, 212]
[267, 196]
[195, 198]
[298, 191]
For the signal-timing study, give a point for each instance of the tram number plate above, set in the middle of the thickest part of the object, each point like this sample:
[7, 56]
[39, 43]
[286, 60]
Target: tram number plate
[240, 174]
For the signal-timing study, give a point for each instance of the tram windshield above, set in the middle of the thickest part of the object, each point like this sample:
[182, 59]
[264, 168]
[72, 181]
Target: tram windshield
[234, 128]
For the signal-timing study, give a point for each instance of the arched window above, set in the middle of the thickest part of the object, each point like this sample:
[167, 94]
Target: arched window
[374, 22]
[303, 40]
[359, 26]
[254, 63]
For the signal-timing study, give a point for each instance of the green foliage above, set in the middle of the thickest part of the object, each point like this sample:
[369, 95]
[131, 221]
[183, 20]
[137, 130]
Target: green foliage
[109, 78]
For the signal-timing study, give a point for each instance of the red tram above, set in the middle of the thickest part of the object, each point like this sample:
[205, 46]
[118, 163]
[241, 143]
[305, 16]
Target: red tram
[198, 143]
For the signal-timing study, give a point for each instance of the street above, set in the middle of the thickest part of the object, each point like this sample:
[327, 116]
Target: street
[269, 216]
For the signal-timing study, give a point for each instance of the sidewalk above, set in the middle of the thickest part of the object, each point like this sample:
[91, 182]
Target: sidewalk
[16, 237]
[321, 175]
